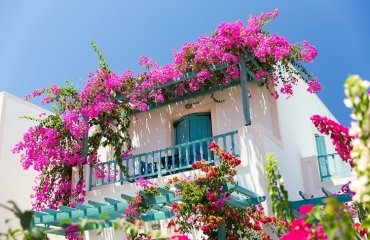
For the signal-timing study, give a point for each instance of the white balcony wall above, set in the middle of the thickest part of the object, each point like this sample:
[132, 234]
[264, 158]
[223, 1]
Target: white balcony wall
[154, 129]
[15, 183]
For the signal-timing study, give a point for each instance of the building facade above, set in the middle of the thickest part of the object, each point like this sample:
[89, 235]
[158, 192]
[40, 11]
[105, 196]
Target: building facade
[168, 139]
[16, 184]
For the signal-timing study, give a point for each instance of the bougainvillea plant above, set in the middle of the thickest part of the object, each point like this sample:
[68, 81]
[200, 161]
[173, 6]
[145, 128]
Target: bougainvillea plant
[338, 134]
[104, 105]
[138, 205]
[204, 205]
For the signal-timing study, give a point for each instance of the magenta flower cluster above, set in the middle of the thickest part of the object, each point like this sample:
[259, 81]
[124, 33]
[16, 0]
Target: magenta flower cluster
[338, 133]
[73, 233]
[230, 41]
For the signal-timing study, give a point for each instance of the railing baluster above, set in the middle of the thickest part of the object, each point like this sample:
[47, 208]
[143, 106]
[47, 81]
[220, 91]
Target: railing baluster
[128, 168]
[165, 162]
[180, 157]
[140, 167]
[174, 161]
[153, 162]
[120, 172]
[146, 164]
[224, 143]
[209, 151]
[115, 171]
[232, 144]
[90, 177]
[104, 173]
[187, 155]
[109, 173]
[159, 162]
[201, 150]
[133, 175]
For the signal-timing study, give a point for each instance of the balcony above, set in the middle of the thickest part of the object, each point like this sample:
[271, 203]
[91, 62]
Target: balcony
[162, 162]
[332, 166]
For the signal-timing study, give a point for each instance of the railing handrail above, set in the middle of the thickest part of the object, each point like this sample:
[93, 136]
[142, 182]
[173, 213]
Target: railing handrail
[328, 155]
[172, 147]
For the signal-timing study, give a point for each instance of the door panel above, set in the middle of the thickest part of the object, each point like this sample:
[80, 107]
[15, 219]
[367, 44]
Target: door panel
[182, 131]
[200, 127]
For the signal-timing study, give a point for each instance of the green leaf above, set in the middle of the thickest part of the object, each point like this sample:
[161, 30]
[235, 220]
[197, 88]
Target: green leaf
[26, 219]
[104, 216]
[66, 221]
[132, 231]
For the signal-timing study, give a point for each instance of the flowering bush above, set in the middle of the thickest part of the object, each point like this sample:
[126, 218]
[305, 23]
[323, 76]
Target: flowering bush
[338, 133]
[52, 148]
[203, 203]
[138, 205]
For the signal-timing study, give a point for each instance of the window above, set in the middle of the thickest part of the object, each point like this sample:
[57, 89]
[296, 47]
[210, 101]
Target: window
[330, 165]
[322, 157]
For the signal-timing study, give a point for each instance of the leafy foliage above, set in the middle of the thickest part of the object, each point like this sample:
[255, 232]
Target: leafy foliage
[277, 191]
[26, 232]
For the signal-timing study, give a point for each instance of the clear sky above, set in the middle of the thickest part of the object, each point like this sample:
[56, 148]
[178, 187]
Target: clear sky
[47, 41]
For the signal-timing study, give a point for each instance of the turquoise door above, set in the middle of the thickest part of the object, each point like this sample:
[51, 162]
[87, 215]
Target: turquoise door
[182, 131]
[322, 156]
[191, 128]
[200, 127]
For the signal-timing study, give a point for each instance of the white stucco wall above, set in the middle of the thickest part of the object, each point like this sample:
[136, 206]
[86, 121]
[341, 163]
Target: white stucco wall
[298, 137]
[154, 129]
[15, 183]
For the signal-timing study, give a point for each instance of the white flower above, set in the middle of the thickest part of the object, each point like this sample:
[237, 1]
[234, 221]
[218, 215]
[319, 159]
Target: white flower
[355, 129]
[365, 84]
[348, 103]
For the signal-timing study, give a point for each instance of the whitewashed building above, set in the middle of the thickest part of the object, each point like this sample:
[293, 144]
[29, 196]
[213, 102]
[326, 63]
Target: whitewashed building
[168, 138]
[15, 183]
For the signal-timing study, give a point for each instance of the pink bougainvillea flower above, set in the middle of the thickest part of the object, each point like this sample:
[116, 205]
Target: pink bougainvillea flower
[314, 86]
[308, 52]
[305, 209]
[299, 231]
[180, 237]
[338, 134]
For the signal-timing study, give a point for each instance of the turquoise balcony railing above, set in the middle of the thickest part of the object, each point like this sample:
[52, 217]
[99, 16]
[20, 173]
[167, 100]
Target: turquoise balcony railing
[161, 162]
[332, 166]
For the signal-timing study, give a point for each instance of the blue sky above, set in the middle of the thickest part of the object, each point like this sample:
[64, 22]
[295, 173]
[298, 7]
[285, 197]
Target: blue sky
[47, 41]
